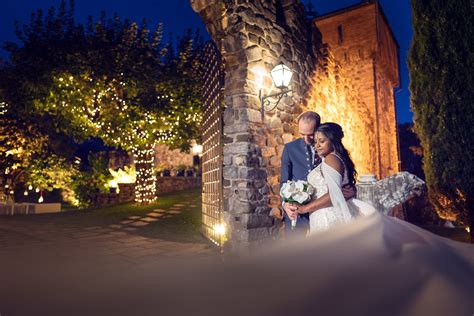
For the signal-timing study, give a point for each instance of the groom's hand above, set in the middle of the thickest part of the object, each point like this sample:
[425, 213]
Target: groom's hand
[349, 191]
[290, 210]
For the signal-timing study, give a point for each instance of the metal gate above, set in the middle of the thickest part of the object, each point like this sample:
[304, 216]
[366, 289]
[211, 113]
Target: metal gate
[212, 74]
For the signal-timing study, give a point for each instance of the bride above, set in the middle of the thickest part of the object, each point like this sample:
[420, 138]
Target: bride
[335, 171]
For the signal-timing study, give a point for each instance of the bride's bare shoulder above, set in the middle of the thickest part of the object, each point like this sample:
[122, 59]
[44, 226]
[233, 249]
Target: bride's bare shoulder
[334, 162]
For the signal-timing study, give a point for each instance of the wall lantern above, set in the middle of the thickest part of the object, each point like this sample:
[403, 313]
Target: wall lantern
[281, 76]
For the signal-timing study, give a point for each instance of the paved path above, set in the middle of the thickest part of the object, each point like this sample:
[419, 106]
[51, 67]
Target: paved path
[41, 237]
[107, 261]
[99, 262]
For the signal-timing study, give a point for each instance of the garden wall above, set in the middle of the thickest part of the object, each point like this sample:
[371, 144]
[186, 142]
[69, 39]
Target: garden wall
[175, 184]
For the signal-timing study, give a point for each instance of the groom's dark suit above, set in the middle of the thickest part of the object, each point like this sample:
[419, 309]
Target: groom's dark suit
[296, 163]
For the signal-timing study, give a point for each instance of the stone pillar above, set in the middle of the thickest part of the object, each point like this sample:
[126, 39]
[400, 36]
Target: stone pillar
[253, 37]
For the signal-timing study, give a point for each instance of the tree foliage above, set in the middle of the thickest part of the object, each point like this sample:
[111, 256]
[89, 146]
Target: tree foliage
[112, 78]
[441, 61]
[92, 179]
[411, 153]
[26, 157]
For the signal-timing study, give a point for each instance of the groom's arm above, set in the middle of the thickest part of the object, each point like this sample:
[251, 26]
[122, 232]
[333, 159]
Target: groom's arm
[349, 191]
[286, 173]
[286, 169]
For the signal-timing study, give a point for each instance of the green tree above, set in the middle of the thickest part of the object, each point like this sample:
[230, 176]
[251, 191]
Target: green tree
[26, 157]
[112, 79]
[93, 178]
[441, 64]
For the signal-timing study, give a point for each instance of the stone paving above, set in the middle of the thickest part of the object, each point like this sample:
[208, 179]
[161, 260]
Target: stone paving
[101, 262]
[121, 243]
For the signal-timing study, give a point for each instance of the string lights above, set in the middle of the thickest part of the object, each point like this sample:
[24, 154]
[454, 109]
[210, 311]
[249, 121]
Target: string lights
[106, 108]
[145, 185]
[105, 113]
[3, 108]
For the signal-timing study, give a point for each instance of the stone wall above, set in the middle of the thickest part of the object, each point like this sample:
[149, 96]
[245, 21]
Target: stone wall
[126, 194]
[333, 96]
[166, 158]
[255, 36]
[361, 42]
[174, 184]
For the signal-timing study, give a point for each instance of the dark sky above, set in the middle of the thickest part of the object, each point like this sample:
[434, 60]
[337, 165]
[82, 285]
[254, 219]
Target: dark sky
[177, 15]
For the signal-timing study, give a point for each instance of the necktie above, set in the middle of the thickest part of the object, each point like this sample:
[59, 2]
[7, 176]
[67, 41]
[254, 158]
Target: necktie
[310, 153]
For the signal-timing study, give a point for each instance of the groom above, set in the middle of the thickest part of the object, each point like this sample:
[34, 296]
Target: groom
[298, 159]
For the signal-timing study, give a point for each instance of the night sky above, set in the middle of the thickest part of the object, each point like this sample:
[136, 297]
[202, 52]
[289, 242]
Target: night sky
[177, 15]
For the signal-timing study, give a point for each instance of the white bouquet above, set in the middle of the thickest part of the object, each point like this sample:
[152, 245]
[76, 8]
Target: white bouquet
[298, 192]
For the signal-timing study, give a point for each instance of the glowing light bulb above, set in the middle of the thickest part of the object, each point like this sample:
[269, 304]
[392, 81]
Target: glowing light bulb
[37, 190]
[220, 229]
[40, 200]
[30, 187]
[25, 193]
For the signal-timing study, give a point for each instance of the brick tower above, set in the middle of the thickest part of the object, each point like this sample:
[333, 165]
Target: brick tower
[361, 40]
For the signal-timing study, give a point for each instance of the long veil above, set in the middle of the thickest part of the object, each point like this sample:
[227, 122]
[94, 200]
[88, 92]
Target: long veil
[334, 182]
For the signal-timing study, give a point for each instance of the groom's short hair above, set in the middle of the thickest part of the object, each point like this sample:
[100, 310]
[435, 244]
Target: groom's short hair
[310, 116]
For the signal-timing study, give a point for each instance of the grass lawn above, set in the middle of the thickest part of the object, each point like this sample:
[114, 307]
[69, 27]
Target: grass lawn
[183, 227]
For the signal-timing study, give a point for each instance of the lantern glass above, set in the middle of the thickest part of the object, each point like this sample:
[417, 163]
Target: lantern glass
[281, 76]
[197, 149]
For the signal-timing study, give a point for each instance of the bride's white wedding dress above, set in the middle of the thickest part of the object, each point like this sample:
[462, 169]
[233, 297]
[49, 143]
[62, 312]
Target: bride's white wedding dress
[324, 178]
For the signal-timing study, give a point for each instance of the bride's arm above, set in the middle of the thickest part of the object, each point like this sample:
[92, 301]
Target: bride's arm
[322, 202]
[325, 200]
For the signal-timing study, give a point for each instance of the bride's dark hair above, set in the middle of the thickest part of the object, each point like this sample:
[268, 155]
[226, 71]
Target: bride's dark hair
[335, 134]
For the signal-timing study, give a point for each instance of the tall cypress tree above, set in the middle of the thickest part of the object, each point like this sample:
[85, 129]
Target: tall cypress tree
[441, 63]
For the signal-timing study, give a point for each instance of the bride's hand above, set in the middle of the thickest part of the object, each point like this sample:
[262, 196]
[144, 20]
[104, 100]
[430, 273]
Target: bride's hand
[302, 209]
[291, 210]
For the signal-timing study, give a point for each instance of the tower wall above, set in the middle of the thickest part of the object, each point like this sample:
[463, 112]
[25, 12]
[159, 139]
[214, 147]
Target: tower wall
[362, 43]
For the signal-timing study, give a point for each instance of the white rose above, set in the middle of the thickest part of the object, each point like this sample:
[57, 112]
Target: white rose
[310, 189]
[287, 189]
[301, 197]
[299, 185]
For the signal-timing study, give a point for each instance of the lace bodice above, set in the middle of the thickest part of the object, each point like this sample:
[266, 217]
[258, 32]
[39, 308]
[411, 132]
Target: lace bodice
[323, 219]
[316, 179]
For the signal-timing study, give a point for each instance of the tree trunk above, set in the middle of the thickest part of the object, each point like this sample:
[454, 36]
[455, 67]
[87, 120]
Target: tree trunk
[145, 185]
